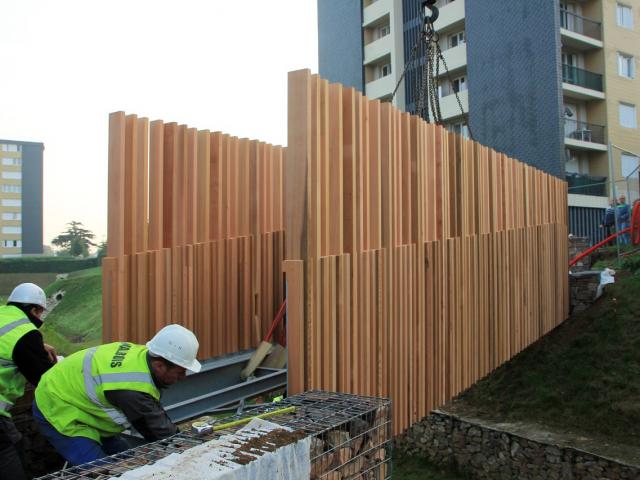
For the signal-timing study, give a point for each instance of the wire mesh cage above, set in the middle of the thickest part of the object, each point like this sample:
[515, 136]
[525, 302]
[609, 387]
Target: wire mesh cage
[350, 439]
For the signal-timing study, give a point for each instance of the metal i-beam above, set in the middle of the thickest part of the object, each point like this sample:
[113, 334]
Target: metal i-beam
[218, 384]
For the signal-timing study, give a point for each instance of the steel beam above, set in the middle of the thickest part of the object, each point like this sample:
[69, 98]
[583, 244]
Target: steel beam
[218, 384]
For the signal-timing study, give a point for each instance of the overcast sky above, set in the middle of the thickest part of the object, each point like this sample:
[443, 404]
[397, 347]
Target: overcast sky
[66, 64]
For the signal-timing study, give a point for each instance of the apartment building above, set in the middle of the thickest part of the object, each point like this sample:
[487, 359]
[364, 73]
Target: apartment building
[550, 83]
[20, 198]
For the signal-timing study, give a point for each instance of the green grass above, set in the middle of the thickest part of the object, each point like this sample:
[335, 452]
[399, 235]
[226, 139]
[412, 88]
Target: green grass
[76, 322]
[416, 468]
[583, 377]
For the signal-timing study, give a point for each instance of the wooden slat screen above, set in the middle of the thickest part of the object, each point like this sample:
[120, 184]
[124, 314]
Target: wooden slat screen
[416, 261]
[195, 234]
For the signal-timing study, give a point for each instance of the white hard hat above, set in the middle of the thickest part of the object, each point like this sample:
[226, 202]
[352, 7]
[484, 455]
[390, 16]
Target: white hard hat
[30, 294]
[176, 344]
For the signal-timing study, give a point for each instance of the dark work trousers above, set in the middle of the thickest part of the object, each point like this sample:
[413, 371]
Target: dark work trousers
[608, 231]
[11, 451]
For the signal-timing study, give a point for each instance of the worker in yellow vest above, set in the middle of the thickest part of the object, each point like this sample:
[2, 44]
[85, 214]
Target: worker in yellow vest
[86, 400]
[23, 357]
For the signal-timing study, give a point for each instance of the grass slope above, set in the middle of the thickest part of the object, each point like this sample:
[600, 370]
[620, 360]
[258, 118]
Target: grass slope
[76, 322]
[8, 281]
[582, 377]
[415, 468]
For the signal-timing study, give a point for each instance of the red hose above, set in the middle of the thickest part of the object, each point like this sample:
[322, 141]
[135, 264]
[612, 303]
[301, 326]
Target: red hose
[635, 235]
[276, 321]
[635, 224]
[590, 250]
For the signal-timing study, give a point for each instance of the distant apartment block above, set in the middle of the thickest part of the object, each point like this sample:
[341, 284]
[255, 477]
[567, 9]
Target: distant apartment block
[551, 83]
[20, 198]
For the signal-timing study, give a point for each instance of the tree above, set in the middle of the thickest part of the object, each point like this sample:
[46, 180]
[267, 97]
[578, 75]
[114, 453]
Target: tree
[75, 240]
[102, 249]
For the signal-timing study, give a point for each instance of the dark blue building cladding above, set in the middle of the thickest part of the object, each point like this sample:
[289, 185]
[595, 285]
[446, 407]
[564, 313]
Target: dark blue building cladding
[411, 19]
[515, 80]
[31, 197]
[585, 222]
[340, 45]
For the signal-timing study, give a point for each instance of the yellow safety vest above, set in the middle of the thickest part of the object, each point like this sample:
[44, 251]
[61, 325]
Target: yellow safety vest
[13, 326]
[71, 394]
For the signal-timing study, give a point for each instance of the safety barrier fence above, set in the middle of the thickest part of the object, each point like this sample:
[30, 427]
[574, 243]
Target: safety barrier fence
[416, 261]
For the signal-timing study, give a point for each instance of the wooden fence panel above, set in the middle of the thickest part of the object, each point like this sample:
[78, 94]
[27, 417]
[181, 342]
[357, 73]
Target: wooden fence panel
[194, 241]
[457, 254]
[414, 261]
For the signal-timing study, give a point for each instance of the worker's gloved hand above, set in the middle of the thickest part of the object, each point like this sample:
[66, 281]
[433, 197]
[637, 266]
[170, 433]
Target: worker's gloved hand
[51, 352]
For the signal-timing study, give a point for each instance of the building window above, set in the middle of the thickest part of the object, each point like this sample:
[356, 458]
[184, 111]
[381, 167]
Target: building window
[12, 230]
[626, 65]
[628, 115]
[459, 84]
[624, 16]
[12, 175]
[12, 243]
[628, 164]
[12, 216]
[11, 162]
[384, 30]
[456, 39]
[7, 188]
[11, 202]
[384, 70]
[10, 147]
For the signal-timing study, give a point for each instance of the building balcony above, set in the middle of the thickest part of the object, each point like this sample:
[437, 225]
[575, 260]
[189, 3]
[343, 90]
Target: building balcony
[375, 11]
[579, 32]
[377, 49]
[584, 136]
[381, 87]
[456, 59]
[581, 84]
[581, 184]
[449, 107]
[451, 16]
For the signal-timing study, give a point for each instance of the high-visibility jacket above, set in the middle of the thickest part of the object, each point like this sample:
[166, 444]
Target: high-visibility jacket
[71, 394]
[14, 324]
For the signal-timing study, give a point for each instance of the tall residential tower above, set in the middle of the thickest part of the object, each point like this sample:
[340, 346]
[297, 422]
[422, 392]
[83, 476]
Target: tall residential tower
[550, 83]
[20, 198]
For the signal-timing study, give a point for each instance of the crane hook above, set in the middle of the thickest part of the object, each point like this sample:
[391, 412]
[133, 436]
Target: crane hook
[435, 13]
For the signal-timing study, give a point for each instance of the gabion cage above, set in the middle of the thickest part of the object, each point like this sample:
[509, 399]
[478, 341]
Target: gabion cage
[350, 439]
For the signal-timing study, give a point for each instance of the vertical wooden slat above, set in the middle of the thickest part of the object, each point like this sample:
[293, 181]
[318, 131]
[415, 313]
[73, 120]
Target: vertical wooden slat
[131, 181]
[169, 171]
[141, 188]
[156, 183]
[203, 192]
[115, 226]
[294, 272]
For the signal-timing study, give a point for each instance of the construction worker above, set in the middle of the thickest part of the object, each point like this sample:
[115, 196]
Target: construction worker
[623, 219]
[23, 357]
[86, 400]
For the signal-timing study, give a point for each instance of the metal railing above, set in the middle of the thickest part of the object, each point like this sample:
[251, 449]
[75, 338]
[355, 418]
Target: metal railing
[586, 132]
[581, 77]
[582, 25]
[584, 221]
[582, 184]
